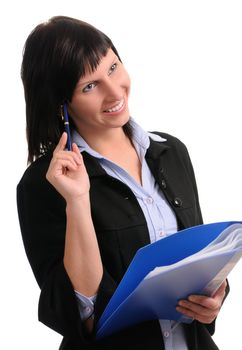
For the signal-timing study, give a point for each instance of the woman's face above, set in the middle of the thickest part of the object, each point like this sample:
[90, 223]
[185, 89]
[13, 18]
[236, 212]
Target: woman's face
[100, 99]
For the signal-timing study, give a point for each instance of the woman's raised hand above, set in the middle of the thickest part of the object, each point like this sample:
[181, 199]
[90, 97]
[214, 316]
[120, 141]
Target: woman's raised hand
[67, 172]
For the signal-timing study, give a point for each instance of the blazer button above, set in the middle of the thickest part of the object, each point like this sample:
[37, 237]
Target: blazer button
[163, 184]
[177, 202]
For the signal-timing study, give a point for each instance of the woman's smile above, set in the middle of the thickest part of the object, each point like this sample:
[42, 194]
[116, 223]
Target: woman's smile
[119, 107]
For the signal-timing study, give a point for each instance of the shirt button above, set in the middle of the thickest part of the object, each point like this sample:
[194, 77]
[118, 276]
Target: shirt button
[162, 234]
[87, 309]
[177, 202]
[166, 334]
[149, 200]
[163, 184]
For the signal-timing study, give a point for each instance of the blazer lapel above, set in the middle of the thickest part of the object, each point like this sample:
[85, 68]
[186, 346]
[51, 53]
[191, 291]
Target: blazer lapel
[171, 176]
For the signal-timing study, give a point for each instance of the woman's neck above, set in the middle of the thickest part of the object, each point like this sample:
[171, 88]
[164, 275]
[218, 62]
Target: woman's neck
[118, 148]
[109, 141]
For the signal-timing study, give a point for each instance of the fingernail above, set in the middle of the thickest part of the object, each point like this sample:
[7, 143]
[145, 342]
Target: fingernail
[191, 298]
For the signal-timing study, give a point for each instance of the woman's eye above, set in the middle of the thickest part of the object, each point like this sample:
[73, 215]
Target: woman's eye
[89, 87]
[112, 68]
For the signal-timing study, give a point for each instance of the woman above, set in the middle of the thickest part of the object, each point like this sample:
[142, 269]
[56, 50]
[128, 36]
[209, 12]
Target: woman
[84, 213]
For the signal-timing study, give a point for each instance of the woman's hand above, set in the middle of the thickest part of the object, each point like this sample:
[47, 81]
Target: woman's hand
[201, 308]
[67, 172]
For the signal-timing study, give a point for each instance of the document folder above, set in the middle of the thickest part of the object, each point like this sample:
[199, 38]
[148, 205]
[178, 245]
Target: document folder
[192, 261]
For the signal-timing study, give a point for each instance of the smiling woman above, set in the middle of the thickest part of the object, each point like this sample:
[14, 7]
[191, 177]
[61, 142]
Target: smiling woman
[85, 212]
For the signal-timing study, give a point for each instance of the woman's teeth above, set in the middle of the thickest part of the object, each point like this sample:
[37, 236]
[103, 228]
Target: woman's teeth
[116, 108]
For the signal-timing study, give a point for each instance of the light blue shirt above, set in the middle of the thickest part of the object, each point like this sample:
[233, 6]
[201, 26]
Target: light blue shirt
[160, 218]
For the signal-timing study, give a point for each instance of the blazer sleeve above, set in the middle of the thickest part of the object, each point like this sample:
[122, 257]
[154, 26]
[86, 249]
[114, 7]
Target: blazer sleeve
[42, 220]
[184, 154]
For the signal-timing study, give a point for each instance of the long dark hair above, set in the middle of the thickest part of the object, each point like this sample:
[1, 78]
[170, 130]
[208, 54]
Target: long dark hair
[56, 55]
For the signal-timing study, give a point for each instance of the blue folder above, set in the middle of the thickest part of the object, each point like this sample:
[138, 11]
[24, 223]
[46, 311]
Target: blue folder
[130, 305]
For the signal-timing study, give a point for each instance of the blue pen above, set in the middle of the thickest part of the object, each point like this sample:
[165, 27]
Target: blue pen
[67, 127]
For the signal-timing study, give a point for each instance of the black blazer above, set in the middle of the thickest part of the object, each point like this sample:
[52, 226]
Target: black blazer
[121, 229]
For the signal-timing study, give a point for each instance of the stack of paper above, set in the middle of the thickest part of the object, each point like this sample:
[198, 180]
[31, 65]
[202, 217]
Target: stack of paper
[192, 261]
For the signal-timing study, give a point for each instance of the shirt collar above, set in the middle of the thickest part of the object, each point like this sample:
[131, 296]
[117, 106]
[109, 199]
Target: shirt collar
[142, 137]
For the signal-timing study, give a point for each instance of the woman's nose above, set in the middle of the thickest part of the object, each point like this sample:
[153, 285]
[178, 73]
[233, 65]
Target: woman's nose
[113, 90]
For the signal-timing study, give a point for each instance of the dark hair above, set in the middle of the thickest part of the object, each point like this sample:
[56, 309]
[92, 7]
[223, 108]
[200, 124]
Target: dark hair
[56, 55]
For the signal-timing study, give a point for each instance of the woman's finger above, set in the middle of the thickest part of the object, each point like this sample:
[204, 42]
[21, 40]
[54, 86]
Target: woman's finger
[70, 155]
[59, 168]
[197, 312]
[220, 293]
[214, 302]
[197, 309]
[62, 143]
[76, 150]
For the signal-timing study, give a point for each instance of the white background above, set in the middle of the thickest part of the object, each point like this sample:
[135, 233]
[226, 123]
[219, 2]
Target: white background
[185, 62]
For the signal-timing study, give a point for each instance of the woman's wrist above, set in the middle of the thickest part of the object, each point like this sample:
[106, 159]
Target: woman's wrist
[82, 201]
